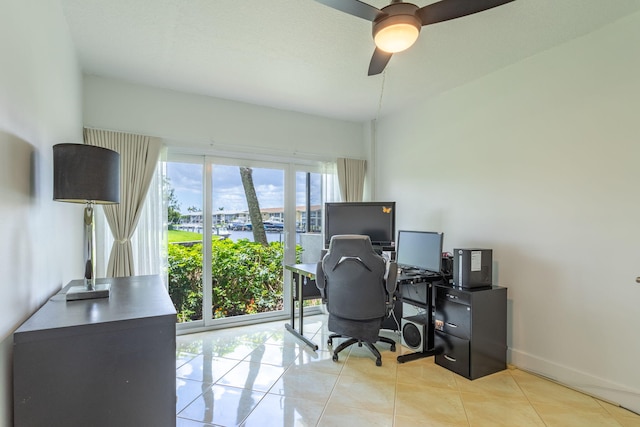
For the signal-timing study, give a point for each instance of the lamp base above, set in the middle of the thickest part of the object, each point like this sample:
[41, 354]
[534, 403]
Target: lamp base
[81, 292]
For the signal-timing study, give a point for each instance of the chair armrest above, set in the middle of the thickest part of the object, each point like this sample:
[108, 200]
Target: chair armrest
[390, 282]
[391, 277]
[320, 280]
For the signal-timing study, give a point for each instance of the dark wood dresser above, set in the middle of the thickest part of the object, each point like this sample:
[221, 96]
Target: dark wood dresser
[98, 362]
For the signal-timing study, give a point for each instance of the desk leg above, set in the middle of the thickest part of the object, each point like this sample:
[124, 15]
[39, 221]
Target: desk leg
[308, 342]
[413, 356]
[300, 302]
[428, 305]
[291, 327]
[294, 282]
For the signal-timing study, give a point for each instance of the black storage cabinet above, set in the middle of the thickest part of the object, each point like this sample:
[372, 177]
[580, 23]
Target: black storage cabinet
[471, 330]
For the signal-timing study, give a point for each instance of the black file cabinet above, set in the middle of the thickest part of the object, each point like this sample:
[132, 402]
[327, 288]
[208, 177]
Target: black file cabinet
[471, 330]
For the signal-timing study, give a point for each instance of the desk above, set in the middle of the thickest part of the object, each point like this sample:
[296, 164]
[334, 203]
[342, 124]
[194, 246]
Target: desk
[303, 287]
[303, 283]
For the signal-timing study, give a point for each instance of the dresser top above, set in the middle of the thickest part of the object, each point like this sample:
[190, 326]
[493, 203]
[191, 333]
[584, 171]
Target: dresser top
[137, 298]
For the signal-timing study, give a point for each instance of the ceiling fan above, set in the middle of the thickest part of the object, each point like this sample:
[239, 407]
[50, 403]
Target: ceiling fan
[397, 26]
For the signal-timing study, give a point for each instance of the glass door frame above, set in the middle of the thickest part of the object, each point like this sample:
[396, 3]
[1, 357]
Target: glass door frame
[210, 161]
[207, 161]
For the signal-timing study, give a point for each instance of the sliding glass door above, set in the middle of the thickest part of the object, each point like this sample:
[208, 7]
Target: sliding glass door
[248, 232]
[309, 197]
[184, 193]
[233, 224]
[227, 238]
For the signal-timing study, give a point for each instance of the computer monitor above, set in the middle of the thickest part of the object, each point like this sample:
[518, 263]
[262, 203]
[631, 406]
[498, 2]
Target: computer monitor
[374, 219]
[419, 251]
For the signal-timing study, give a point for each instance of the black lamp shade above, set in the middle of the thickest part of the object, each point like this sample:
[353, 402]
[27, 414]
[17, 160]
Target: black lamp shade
[85, 173]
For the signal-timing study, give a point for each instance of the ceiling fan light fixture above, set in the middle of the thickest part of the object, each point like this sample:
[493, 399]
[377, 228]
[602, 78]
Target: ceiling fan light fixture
[396, 38]
[396, 33]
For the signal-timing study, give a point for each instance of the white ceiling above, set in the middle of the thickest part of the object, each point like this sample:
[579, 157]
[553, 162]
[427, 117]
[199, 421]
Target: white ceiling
[303, 56]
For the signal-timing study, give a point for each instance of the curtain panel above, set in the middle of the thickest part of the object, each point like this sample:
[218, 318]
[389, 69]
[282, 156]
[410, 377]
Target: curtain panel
[351, 173]
[138, 159]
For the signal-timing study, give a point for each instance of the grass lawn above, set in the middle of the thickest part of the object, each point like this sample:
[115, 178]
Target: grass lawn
[183, 236]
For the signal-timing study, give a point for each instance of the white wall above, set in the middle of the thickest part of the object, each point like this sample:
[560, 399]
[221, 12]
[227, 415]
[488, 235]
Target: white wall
[539, 161]
[216, 125]
[40, 105]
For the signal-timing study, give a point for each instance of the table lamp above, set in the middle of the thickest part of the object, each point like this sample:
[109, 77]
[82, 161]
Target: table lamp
[91, 175]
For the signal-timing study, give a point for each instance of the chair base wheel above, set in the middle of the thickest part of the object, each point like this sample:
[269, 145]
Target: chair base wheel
[378, 362]
[335, 357]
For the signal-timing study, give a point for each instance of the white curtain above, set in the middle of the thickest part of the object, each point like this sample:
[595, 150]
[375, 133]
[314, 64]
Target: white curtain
[149, 242]
[138, 159]
[330, 187]
[351, 173]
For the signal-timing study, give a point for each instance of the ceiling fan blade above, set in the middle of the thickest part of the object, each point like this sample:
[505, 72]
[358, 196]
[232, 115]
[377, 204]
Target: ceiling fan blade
[354, 7]
[379, 60]
[450, 9]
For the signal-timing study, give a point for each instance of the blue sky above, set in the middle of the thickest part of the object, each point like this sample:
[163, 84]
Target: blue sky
[228, 192]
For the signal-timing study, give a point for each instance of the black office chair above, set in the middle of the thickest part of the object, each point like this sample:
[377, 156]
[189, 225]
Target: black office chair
[358, 289]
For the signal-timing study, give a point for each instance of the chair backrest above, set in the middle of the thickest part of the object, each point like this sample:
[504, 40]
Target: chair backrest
[354, 276]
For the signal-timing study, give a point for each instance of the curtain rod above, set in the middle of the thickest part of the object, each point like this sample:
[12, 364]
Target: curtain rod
[177, 145]
[277, 151]
[123, 131]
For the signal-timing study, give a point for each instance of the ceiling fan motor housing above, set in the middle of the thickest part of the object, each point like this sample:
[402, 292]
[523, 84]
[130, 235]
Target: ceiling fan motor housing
[397, 14]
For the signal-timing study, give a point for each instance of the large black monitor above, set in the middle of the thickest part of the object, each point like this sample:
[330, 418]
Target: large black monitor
[374, 219]
[419, 250]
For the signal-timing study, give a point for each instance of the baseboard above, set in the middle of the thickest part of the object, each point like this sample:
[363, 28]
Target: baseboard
[600, 388]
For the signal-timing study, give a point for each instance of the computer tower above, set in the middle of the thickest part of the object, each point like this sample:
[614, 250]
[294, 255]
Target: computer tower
[416, 333]
[447, 265]
[472, 268]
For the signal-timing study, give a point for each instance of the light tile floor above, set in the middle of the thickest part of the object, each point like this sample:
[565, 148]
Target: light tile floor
[261, 375]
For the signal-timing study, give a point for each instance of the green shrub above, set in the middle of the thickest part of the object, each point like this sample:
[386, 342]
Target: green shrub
[185, 280]
[247, 278]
